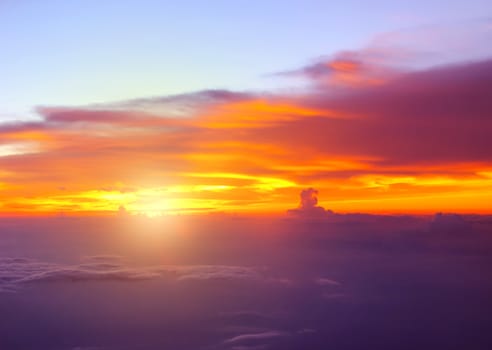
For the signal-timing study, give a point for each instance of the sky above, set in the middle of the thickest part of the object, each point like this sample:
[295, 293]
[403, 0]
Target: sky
[245, 175]
[158, 108]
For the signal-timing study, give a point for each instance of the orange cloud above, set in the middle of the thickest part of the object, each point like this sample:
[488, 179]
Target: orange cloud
[413, 144]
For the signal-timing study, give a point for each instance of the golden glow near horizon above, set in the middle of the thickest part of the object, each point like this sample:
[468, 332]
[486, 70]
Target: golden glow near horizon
[372, 194]
[247, 156]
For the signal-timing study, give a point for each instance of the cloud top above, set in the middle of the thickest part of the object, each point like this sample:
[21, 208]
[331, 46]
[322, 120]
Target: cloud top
[15, 272]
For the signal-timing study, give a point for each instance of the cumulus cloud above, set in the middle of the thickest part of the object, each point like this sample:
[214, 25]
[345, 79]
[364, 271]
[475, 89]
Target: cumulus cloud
[309, 199]
[308, 205]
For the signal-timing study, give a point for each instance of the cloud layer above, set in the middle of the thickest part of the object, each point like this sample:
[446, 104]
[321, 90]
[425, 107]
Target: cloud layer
[380, 140]
[15, 272]
[218, 282]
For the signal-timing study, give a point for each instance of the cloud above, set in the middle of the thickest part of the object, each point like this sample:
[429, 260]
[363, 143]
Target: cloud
[308, 205]
[103, 258]
[214, 272]
[309, 199]
[157, 111]
[416, 139]
[15, 272]
[449, 223]
[388, 267]
[256, 336]
[349, 69]
[390, 54]
[182, 105]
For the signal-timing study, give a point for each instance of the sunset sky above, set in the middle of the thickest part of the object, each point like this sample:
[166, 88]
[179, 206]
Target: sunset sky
[237, 106]
[245, 174]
